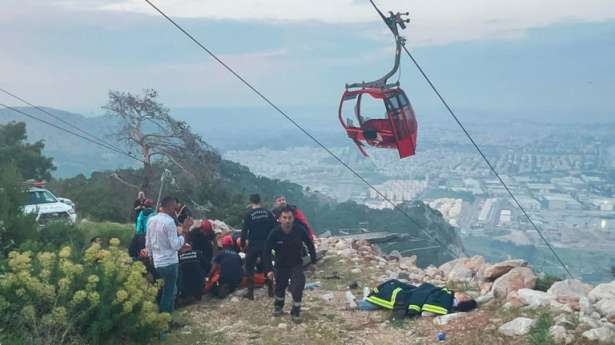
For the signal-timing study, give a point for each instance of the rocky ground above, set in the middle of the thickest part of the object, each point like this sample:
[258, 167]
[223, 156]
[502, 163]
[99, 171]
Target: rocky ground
[510, 311]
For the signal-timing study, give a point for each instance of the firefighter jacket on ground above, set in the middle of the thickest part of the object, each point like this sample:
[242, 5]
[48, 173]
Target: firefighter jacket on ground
[424, 298]
[385, 295]
[428, 298]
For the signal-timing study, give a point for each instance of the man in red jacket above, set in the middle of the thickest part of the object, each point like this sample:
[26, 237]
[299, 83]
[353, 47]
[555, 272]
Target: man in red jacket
[280, 202]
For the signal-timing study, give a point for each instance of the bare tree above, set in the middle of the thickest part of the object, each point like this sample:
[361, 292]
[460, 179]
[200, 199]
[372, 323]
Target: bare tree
[147, 128]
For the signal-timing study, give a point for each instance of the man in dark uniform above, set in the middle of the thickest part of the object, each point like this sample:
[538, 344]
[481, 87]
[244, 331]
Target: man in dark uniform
[256, 228]
[287, 240]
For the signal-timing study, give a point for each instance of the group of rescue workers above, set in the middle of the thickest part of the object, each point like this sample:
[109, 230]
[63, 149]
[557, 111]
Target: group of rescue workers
[271, 250]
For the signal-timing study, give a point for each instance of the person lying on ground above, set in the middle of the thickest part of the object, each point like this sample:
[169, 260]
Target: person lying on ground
[406, 300]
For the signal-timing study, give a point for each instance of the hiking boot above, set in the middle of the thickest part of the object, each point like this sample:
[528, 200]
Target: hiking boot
[249, 295]
[269, 284]
[278, 311]
[295, 313]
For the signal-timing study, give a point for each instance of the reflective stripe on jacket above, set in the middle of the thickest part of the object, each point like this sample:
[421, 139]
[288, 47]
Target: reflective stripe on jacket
[385, 295]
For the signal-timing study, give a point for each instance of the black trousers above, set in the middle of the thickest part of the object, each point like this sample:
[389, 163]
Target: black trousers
[293, 277]
[252, 256]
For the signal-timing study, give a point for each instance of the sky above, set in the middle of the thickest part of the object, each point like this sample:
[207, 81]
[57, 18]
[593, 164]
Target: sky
[506, 58]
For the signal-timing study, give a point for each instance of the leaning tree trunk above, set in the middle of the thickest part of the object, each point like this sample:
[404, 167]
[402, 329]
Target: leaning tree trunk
[147, 172]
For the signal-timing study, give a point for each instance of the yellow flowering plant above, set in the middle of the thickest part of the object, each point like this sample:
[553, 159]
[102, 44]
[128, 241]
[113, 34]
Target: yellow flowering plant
[67, 296]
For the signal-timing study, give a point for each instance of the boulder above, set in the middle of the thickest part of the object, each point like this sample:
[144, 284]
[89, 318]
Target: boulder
[565, 320]
[517, 278]
[533, 298]
[495, 271]
[589, 321]
[462, 269]
[485, 287]
[585, 306]
[560, 335]
[460, 273]
[571, 302]
[605, 306]
[475, 263]
[485, 298]
[444, 319]
[602, 291]
[517, 327]
[559, 307]
[569, 290]
[603, 335]
[448, 266]
[432, 271]
[408, 261]
[611, 318]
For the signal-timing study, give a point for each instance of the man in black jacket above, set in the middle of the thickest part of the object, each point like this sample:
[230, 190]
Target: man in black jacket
[287, 240]
[256, 227]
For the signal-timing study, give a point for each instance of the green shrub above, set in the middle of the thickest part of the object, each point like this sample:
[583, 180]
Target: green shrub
[539, 333]
[107, 231]
[544, 282]
[63, 297]
[15, 227]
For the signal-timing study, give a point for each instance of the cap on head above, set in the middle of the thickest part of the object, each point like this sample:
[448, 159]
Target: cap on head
[227, 241]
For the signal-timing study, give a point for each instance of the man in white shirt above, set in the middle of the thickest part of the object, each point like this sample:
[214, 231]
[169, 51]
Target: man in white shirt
[163, 241]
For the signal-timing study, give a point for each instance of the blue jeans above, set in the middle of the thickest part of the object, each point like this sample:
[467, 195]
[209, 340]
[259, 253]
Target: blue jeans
[169, 289]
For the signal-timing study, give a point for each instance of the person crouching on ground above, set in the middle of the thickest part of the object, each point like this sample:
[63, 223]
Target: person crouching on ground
[228, 263]
[287, 240]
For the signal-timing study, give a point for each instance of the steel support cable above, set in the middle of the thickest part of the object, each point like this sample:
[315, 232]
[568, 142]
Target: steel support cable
[68, 131]
[84, 132]
[491, 167]
[296, 124]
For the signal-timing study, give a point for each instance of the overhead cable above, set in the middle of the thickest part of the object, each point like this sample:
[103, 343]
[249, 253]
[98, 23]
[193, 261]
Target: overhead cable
[296, 124]
[104, 145]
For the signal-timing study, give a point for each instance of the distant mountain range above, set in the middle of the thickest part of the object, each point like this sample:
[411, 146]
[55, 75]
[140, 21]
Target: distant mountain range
[235, 128]
[72, 155]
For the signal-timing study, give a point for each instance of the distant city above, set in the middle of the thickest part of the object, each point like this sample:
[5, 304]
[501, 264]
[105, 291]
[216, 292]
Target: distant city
[558, 174]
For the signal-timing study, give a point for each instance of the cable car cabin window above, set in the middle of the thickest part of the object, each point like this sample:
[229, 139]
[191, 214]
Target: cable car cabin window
[398, 115]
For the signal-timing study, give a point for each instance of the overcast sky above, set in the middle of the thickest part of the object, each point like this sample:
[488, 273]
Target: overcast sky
[550, 55]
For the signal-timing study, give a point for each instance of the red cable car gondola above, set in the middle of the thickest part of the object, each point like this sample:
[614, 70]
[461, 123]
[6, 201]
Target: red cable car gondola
[398, 129]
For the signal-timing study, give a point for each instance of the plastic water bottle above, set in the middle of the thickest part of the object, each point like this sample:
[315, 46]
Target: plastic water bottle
[312, 285]
[350, 299]
[365, 292]
[441, 336]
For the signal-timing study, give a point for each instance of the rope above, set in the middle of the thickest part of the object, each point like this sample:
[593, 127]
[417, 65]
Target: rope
[289, 118]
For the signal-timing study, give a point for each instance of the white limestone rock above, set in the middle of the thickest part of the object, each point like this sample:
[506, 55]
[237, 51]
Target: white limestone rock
[603, 335]
[602, 291]
[533, 298]
[517, 327]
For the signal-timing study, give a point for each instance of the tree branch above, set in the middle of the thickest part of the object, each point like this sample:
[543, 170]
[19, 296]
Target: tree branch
[124, 182]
